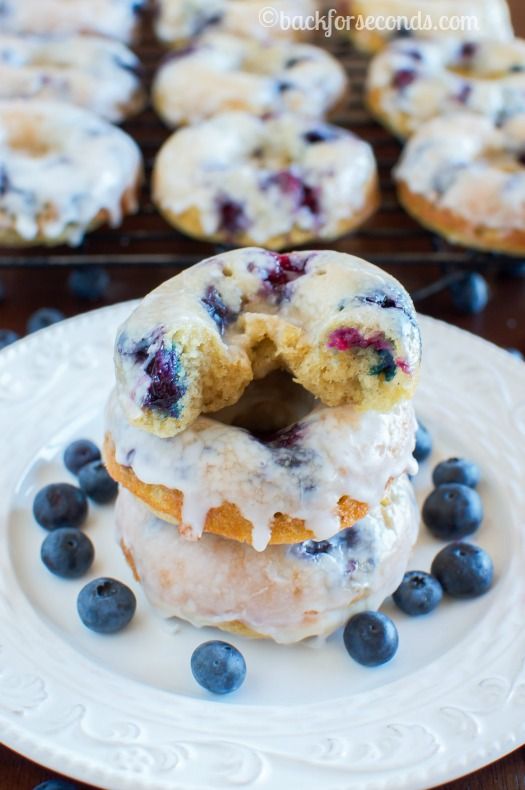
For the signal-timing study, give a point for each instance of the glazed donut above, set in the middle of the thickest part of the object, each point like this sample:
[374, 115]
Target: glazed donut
[96, 73]
[343, 328]
[63, 172]
[181, 21]
[222, 72]
[232, 476]
[464, 177]
[113, 18]
[286, 593]
[375, 22]
[277, 182]
[412, 81]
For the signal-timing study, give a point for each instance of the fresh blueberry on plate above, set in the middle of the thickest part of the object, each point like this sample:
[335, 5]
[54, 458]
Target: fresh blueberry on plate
[8, 336]
[371, 638]
[423, 443]
[456, 470]
[60, 505]
[218, 667]
[67, 552]
[79, 453]
[463, 570]
[470, 295]
[56, 784]
[418, 593]
[452, 511]
[43, 318]
[96, 483]
[88, 283]
[106, 605]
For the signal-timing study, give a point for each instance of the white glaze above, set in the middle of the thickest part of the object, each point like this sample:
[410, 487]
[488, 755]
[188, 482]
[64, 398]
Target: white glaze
[486, 17]
[90, 71]
[339, 453]
[114, 18]
[236, 154]
[283, 592]
[180, 20]
[465, 164]
[61, 165]
[447, 80]
[223, 72]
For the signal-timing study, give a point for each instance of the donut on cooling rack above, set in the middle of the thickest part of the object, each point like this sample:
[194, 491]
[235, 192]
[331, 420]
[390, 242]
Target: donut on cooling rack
[375, 22]
[63, 172]
[114, 18]
[90, 71]
[344, 329]
[286, 593]
[414, 80]
[463, 176]
[223, 72]
[278, 182]
[180, 21]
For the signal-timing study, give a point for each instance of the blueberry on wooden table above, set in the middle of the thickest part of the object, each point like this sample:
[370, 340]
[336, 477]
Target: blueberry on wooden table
[56, 784]
[41, 319]
[470, 295]
[89, 283]
[7, 337]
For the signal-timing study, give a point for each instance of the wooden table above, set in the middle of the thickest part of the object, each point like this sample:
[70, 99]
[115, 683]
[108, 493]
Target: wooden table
[503, 322]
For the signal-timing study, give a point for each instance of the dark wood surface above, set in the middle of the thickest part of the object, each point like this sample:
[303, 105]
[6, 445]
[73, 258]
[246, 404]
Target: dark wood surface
[503, 322]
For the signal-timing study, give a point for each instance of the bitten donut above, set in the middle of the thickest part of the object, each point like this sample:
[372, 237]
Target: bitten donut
[222, 72]
[113, 18]
[92, 72]
[63, 172]
[343, 328]
[464, 177]
[277, 182]
[286, 593]
[375, 22]
[414, 80]
[181, 21]
[310, 479]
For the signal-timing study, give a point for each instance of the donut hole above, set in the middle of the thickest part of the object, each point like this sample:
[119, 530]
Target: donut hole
[268, 405]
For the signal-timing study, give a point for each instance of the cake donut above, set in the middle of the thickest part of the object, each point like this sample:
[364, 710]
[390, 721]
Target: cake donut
[92, 72]
[222, 72]
[180, 21]
[463, 176]
[344, 329]
[375, 22]
[63, 172]
[286, 593]
[278, 182]
[414, 80]
[113, 18]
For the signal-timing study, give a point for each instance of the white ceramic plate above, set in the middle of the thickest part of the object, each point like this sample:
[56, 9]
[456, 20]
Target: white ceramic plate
[123, 712]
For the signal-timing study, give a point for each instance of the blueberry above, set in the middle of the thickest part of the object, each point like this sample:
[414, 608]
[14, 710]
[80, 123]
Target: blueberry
[452, 511]
[79, 453]
[8, 336]
[88, 283]
[418, 593]
[218, 667]
[470, 295]
[96, 483]
[456, 470]
[371, 638]
[403, 78]
[468, 50]
[56, 784]
[43, 318]
[60, 505]
[515, 352]
[67, 552]
[463, 570]
[106, 605]
[423, 446]
[167, 382]
[232, 218]
[218, 310]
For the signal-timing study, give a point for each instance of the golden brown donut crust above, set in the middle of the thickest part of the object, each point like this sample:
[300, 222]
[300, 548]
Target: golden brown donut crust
[226, 520]
[457, 229]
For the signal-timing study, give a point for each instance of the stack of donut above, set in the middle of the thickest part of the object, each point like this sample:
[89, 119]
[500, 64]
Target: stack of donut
[64, 74]
[262, 429]
[255, 162]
